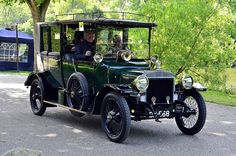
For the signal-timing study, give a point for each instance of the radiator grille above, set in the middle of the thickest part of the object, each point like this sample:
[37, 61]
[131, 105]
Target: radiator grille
[160, 88]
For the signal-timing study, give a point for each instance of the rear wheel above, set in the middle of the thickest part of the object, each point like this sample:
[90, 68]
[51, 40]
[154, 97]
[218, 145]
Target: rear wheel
[36, 98]
[115, 117]
[78, 92]
[194, 123]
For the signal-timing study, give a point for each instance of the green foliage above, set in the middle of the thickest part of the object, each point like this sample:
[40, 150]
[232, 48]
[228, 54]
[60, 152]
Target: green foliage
[70, 6]
[9, 17]
[12, 2]
[193, 37]
[231, 80]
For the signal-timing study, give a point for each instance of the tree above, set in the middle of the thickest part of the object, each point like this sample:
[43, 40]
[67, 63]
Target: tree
[193, 37]
[23, 17]
[38, 10]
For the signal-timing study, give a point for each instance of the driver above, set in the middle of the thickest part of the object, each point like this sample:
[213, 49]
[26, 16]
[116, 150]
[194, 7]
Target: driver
[85, 49]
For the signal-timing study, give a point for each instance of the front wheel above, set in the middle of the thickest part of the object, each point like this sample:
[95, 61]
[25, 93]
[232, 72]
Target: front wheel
[115, 117]
[194, 123]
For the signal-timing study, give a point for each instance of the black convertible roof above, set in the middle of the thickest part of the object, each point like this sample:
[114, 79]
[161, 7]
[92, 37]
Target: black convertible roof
[101, 19]
[111, 22]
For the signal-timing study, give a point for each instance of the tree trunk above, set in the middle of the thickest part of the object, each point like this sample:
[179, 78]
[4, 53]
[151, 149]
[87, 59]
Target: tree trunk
[38, 11]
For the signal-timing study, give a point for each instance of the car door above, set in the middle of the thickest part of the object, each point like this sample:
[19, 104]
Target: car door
[50, 52]
[71, 65]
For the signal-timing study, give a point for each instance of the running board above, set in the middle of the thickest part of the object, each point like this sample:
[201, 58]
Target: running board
[69, 108]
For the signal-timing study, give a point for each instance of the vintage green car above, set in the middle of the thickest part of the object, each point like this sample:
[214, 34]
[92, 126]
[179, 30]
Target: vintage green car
[117, 78]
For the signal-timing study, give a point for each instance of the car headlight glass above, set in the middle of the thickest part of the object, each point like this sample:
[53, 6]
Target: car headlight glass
[141, 83]
[187, 82]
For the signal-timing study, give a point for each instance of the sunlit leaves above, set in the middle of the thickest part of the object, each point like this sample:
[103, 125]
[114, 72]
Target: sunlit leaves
[193, 37]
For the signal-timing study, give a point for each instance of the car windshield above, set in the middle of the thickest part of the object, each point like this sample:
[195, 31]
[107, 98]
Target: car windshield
[110, 40]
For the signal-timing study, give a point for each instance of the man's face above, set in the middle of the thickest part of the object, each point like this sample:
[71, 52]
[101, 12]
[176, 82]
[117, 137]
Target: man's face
[89, 36]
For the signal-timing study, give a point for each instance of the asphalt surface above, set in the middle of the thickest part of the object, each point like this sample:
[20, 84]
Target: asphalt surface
[60, 133]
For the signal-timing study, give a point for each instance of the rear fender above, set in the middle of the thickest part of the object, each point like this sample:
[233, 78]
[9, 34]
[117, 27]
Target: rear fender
[50, 91]
[31, 78]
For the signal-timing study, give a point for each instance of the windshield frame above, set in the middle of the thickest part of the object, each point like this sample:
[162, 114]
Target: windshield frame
[99, 26]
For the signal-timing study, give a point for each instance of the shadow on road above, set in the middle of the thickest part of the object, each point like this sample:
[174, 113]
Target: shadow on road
[144, 130]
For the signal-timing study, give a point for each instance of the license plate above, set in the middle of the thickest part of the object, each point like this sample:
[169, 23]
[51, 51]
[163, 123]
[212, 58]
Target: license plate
[164, 114]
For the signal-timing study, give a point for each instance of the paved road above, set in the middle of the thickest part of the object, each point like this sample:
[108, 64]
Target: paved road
[59, 133]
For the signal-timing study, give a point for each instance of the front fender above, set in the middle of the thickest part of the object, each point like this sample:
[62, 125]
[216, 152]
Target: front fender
[199, 87]
[196, 86]
[121, 89]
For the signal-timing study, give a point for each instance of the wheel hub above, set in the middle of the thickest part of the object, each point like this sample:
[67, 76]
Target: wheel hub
[110, 115]
[72, 94]
[37, 103]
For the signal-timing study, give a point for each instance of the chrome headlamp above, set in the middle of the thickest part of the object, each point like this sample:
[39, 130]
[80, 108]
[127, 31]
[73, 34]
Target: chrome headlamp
[187, 82]
[126, 55]
[141, 83]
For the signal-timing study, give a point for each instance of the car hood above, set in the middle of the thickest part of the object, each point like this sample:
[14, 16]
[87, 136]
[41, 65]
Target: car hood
[125, 73]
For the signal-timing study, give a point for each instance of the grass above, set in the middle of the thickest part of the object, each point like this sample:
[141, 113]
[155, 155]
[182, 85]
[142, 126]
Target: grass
[220, 98]
[231, 75]
[227, 97]
[14, 72]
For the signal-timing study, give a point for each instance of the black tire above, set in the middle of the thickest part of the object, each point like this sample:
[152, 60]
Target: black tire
[36, 97]
[77, 114]
[115, 116]
[193, 100]
[78, 92]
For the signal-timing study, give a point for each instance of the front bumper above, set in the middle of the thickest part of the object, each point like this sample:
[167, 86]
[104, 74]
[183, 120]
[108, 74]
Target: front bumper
[158, 111]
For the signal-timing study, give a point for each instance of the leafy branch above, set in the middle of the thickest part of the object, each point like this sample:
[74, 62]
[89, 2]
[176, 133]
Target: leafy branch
[183, 67]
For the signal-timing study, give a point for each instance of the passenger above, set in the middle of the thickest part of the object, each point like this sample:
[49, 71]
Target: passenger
[117, 43]
[78, 37]
[85, 49]
[116, 46]
[70, 49]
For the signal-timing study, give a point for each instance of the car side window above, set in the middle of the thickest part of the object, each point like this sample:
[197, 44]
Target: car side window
[50, 46]
[55, 39]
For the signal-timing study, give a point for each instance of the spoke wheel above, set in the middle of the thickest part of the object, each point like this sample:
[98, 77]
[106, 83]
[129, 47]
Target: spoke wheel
[36, 98]
[193, 123]
[191, 120]
[115, 117]
[77, 92]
